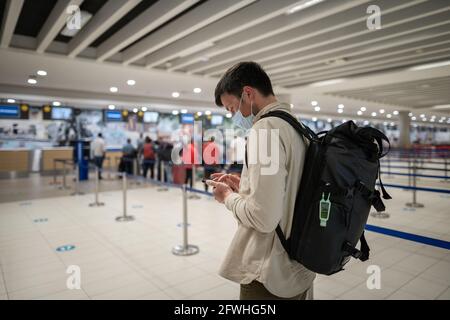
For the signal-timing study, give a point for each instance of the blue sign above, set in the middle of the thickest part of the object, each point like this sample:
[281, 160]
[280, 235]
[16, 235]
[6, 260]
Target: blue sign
[65, 248]
[40, 220]
[9, 112]
[113, 115]
[187, 118]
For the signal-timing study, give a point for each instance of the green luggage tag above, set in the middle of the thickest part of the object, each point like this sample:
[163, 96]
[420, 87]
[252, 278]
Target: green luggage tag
[324, 210]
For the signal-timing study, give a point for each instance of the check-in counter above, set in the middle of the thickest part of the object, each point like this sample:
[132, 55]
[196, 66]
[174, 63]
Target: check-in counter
[114, 159]
[14, 160]
[50, 154]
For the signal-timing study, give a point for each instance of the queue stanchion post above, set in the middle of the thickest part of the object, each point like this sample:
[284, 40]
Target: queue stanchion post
[77, 191]
[185, 249]
[64, 184]
[109, 167]
[54, 182]
[162, 188]
[96, 203]
[124, 217]
[445, 170]
[414, 203]
[194, 196]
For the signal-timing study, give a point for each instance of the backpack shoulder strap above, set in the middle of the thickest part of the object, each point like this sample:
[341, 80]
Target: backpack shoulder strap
[301, 129]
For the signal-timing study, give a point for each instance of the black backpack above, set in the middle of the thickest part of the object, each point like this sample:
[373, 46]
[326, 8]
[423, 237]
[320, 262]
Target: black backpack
[336, 193]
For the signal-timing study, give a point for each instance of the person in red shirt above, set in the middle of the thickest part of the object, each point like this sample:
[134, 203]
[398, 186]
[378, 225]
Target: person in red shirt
[149, 157]
[211, 163]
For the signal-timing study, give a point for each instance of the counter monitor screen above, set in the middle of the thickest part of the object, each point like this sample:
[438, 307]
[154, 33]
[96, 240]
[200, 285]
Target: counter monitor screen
[9, 112]
[151, 117]
[61, 113]
[187, 118]
[113, 115]
[217, 120]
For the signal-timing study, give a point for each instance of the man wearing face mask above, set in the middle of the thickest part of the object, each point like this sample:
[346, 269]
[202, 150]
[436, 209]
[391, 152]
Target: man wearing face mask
[256, 258]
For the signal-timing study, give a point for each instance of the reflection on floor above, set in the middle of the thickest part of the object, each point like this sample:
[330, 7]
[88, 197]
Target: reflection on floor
[133, 260]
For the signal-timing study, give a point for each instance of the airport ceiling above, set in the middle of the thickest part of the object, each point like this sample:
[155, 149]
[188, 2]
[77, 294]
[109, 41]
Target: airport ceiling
[302, 45]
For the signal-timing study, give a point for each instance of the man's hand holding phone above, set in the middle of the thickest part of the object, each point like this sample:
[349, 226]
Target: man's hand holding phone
[231, 180]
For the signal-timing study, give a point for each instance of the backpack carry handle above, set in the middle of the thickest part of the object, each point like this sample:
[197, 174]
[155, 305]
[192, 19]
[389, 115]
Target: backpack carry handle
[379, 138]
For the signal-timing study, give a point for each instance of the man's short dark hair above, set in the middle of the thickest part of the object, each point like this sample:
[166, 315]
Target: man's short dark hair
[241, 75]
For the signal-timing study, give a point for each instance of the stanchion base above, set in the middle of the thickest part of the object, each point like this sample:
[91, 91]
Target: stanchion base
[77, 194]
[96, 204]
[124, 219]
[194, 196]
[162, 189]
[380, 215]
[189, 250]
[414, 205]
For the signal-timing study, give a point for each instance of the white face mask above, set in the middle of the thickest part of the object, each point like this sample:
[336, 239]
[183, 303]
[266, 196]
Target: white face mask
[239, 120]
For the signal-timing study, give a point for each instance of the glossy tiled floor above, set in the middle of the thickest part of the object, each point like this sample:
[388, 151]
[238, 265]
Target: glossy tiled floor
[133, 260]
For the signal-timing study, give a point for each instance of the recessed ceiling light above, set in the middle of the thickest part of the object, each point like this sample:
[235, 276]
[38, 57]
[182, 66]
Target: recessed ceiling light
[363, 109]
[366, 122]
[303, 6]
[317, 109]
[56, 103]
[229, 115]
[314, 119]
[183, 111]
[113, 89]
[395, 113]
[410, 114]
[135, 110]
[144, 109]
[382, 111]
[32, 81]
[197, 90]
[111, 107]
[208, 113]
[326, 83]
[199, 113]
[329, 120]
[131, 82]
[175, 94]
[11, 100]
[314, 103]
[341, 106]
[431, 65]
[392, 124]
[175, 112]
[340, 110]
[42, 73]
[292, 106]
[359, 113]
[389, 116]
[422, 115]
[413, 118]
[374, 114]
